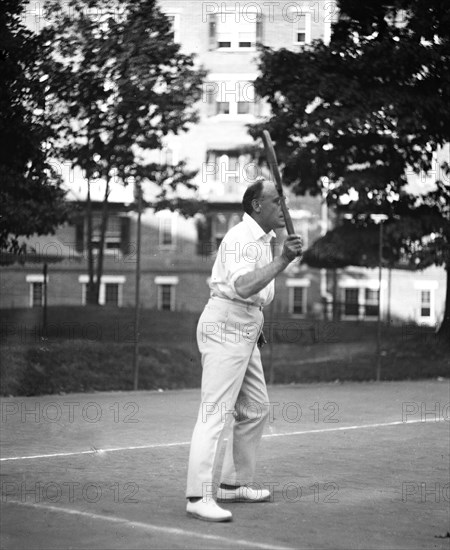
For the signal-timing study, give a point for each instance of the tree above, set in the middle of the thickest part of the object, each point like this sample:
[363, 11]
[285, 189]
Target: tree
[30, 194]
[119, 85]
[362, 111]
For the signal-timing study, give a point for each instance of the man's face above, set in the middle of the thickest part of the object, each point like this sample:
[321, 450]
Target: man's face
[270, 215]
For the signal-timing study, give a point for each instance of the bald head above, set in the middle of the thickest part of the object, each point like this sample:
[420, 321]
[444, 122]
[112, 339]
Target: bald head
[262, 203]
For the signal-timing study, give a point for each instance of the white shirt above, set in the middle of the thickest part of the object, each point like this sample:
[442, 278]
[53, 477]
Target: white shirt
[245, 248]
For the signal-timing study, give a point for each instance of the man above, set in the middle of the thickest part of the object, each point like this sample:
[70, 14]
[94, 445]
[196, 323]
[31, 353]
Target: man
[233, 384]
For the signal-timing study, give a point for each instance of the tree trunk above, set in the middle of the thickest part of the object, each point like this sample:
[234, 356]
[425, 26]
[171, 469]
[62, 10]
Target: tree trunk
[101, 249]
[91, 291]
[93, 284]
[444, 329]
[336, 301]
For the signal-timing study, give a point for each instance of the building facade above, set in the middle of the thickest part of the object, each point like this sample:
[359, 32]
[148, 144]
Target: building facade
[177, 253]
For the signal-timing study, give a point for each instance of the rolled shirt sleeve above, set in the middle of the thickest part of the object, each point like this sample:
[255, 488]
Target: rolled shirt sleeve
[244, 249]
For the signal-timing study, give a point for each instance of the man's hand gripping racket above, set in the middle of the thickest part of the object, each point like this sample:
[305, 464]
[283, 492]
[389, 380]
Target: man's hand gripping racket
[292, 248]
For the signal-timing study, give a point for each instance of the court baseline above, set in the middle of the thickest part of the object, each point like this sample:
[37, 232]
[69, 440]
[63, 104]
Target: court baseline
[184, 443]
[241, 543]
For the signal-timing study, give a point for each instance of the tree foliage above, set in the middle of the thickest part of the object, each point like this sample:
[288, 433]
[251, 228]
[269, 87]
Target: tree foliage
[119, 85]
[30, 194]
[351, 118]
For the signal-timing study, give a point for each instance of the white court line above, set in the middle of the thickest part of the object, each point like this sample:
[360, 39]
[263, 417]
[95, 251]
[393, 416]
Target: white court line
[99, 451]
[181, 443]
[379, 425]
[239, 543]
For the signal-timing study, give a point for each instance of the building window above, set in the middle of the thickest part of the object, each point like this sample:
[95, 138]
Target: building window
[360, 301]
[228, 174]
[235, 31]
[371, 302]
[351, 302]
[111, 294]
[110, 291]
[117, 234]
[166, 292]
[302, 27]
[220, 228]
[174, 19]
[166, 297]
[166, 231]
[298, 300]
[223, 108]
[205, 246]
[425, 303]
[244, 107]
[225, 30]
[232, 97]
[298, 289]
[113, 233]
[36, 293]
[210, 97]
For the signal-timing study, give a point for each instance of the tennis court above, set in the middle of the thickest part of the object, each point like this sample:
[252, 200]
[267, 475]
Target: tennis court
[354, 465]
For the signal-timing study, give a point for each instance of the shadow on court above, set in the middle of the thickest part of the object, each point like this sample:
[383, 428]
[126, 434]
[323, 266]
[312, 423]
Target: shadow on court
[355, 465]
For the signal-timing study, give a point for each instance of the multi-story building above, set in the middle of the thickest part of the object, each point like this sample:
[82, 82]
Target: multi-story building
[177, 253]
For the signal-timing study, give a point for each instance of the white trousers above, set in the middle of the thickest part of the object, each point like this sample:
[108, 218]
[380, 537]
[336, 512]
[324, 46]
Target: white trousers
[233, 385]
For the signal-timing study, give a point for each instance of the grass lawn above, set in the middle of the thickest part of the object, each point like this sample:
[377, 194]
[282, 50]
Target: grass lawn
[91, 349]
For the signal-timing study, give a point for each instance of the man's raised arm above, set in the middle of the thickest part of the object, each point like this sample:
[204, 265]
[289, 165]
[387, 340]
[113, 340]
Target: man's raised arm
[251, 283]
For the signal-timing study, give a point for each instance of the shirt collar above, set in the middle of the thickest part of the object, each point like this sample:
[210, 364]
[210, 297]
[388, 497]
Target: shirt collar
[256, 230]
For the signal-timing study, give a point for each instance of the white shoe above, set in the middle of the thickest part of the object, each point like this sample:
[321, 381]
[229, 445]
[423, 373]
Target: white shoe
[207, 510]
[243, 494]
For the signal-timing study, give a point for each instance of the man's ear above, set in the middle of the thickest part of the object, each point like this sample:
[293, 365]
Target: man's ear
[256, 206]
